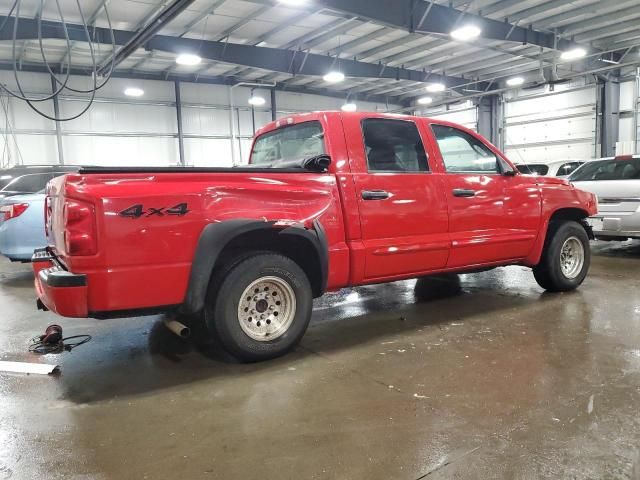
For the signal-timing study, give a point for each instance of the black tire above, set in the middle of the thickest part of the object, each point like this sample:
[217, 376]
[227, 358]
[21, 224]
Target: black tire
[549, 273]
[222, 308]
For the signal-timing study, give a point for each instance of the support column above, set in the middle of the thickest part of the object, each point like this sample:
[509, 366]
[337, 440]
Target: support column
[488, 119]
[56, 113]
[179, 119]
[274, 115]
[610, 117]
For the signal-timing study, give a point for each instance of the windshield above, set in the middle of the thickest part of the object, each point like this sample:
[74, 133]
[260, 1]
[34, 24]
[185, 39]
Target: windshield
[607, 170]
[533, 169]
[295, 142]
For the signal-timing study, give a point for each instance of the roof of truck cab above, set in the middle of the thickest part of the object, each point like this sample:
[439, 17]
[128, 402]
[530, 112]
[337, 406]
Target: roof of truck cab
[316, 115]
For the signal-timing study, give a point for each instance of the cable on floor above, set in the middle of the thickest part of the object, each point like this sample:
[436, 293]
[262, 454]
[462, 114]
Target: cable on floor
[52, 341]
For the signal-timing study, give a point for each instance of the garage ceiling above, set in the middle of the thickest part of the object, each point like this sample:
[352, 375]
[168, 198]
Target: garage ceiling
[385, 52]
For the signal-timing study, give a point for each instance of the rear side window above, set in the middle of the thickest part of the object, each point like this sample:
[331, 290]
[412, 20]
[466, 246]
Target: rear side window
[295, 142]
[462, 152]
[30, 183]
[4, 180]
[608, 170]
[393, 146]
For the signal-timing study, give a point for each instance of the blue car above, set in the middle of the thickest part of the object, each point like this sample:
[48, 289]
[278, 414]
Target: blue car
[22, 226]
[22, 208]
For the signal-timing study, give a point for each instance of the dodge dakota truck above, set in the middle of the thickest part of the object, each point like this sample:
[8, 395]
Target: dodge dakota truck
[328, 200]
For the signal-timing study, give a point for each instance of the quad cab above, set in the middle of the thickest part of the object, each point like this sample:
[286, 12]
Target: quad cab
[328, 200]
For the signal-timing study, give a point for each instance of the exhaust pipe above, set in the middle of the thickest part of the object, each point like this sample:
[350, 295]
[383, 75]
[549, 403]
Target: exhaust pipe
[180, 329]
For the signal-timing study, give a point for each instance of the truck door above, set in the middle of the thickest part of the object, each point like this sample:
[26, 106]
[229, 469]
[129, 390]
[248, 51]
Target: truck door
[403, 212]
[492, 216]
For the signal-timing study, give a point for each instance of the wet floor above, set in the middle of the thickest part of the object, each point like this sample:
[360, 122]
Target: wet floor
[478, 376]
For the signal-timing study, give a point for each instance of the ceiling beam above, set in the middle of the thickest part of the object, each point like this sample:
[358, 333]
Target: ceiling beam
[412, 16]
[271, 59]
[210, 80]
[155, 24]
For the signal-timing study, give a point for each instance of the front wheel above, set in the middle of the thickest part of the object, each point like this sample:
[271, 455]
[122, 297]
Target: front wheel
[566, 258]
[259, 308]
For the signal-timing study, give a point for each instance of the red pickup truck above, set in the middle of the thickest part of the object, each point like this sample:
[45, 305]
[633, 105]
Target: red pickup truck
[328, 200]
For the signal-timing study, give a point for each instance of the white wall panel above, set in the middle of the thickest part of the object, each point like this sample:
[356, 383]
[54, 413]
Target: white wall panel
[205, 121]
[627, 95]
[245, 146]
[35, 149]
[207, 152]
[120, 118]
[120, 151]
[465, 115]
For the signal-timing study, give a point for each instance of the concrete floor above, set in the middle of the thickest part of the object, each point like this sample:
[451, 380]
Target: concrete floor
[484, 376]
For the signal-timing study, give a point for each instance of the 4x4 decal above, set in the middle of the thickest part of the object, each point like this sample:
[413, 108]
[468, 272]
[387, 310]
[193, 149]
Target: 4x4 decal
[138, 210]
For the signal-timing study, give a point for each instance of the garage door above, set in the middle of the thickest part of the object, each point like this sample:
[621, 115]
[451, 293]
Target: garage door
[549, 126]
[629, 131]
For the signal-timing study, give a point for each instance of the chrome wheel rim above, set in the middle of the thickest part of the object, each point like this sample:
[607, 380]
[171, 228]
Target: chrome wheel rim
[266, 309]
[571, 257]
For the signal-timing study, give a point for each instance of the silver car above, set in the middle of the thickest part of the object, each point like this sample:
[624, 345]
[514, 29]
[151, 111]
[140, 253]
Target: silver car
[616, 182]
[22, 226]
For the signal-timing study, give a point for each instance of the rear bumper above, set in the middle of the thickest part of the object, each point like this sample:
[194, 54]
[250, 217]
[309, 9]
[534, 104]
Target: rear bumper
[59, 290]
[610, 224]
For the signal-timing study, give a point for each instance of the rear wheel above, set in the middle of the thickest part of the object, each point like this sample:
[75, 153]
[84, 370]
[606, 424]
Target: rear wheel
[259, 307]
[566, 258]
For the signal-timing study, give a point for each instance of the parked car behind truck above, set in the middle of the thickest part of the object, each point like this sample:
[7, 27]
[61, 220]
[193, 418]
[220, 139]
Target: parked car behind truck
[22, 226]
[329, 200]
[22, 208]
[616, 182]
[561, 168]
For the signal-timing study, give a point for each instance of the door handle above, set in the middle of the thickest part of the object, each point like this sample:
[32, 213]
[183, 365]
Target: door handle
[461, 192]
[375, 195]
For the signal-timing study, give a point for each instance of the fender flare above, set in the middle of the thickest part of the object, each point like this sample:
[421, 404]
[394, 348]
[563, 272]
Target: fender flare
[216, 236]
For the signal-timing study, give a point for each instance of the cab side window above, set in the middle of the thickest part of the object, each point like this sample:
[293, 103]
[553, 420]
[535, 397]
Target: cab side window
[464, 153]
[393, 146]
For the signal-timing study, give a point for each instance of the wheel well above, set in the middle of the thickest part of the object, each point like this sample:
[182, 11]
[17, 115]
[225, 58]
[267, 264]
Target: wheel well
[572, 214]
[298, 248]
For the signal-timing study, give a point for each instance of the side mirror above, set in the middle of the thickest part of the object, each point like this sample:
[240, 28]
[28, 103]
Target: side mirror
[509, 173]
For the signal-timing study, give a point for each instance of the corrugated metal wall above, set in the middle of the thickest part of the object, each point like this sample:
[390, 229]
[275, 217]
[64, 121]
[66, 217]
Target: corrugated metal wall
[541, 126]
[120, 130]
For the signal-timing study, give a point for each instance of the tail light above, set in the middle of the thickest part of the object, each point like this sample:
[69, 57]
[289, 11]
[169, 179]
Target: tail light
[14, 210]
[79, 228]
[47, 215]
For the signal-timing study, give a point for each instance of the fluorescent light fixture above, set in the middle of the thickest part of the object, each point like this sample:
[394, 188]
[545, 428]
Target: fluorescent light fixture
[257, 101]
[606, 60]
[349, 107]
[515, 81]
[425, 100]
[133, 92]
[466, 33]
[188, 59]
[334, 77]
[436, 87]
[293, 3]
[573, 54]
